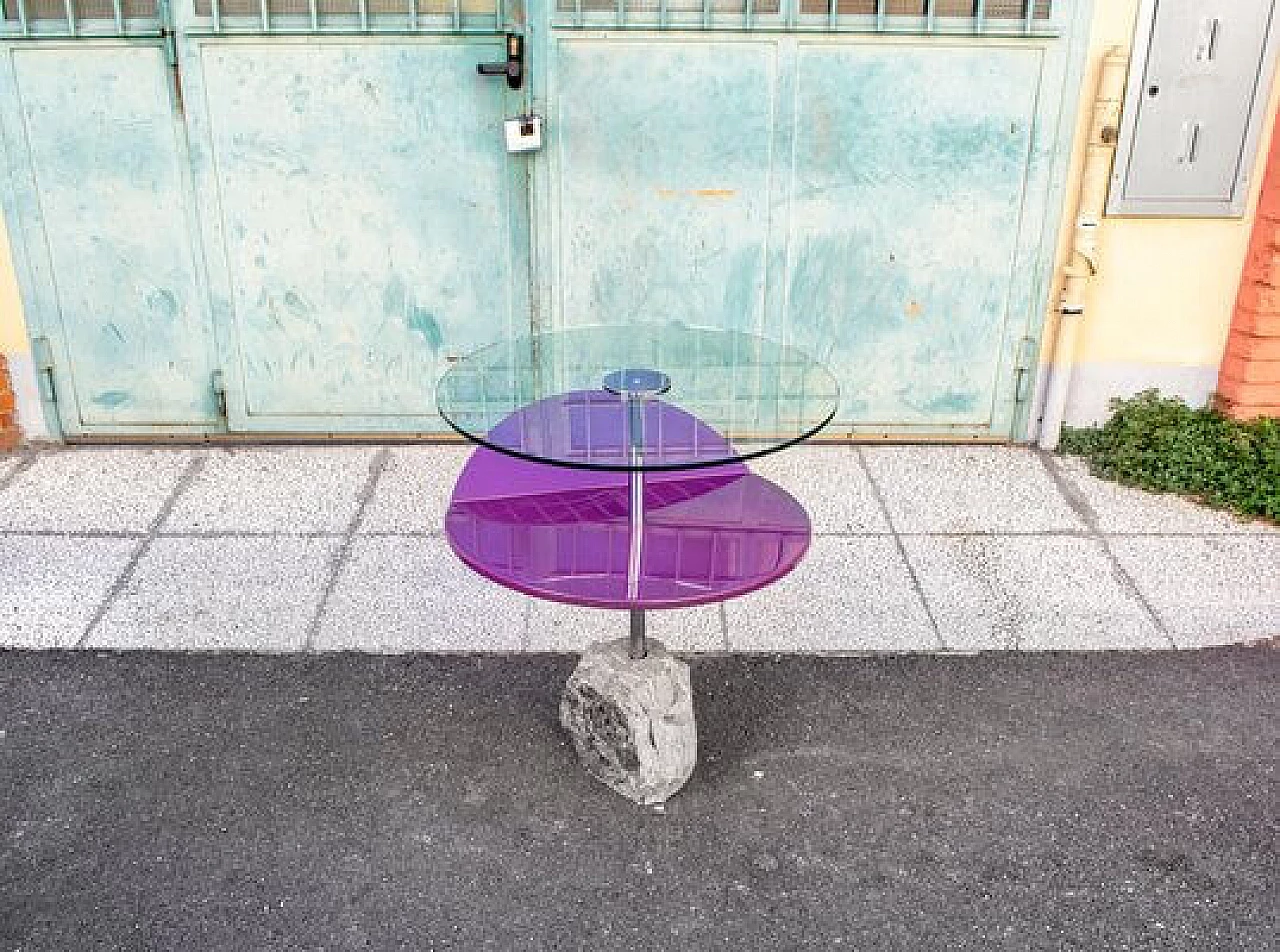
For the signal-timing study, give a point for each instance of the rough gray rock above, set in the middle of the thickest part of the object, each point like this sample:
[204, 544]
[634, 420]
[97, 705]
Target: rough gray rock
[632, 720]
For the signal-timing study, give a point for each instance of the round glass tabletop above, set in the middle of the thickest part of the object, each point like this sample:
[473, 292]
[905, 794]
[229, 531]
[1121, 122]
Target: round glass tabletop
[646, 397]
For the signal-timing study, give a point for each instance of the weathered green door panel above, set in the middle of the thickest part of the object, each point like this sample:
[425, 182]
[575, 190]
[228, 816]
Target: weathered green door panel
[906, 194]
[887, 204]
[662, 175]
[102, 199]
[371, 223]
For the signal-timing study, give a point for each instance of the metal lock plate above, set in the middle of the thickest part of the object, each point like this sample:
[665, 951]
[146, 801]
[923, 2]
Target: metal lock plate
[523, 133]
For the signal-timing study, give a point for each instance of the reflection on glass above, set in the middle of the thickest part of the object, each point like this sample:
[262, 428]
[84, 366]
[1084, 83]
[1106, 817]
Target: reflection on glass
[565, 535]
[543, 398]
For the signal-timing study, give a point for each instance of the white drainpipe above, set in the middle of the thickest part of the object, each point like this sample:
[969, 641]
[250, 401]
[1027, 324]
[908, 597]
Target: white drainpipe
[1082, 264]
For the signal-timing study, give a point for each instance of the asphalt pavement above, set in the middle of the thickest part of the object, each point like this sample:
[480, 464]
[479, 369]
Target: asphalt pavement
[1103, 801]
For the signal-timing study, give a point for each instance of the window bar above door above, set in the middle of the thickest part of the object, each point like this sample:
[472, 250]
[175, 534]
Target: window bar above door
[920, 17]
[35, 19]
[78, 19]
[346, 17]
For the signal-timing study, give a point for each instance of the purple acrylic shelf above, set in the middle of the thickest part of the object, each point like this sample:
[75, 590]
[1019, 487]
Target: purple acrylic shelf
[563, 533]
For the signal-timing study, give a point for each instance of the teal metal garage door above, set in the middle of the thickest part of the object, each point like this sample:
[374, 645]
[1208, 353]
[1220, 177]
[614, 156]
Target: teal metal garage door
[330, 215]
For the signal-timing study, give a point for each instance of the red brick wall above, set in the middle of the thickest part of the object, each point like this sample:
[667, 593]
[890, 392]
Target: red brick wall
[8, 410]
[1249, 380]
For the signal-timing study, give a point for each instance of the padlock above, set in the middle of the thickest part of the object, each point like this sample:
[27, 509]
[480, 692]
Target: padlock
[523, 133]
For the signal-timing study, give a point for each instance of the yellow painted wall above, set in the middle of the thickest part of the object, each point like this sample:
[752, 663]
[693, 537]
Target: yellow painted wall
[13, 332]
[1166, 288]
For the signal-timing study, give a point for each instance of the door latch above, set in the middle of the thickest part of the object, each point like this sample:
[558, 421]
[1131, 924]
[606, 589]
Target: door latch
[513, 68]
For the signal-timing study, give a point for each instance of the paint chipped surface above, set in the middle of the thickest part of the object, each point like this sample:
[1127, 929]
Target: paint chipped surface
[111, 399]
[670, 193]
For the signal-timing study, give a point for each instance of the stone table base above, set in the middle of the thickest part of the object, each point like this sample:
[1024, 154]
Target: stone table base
[632, 720]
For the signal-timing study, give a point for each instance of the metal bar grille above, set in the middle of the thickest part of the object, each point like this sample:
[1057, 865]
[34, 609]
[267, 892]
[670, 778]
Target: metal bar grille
[89, 18]
[997, 17]
[78, 19]
[339, 17]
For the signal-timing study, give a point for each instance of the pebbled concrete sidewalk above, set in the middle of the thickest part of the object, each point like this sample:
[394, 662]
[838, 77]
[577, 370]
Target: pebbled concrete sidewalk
[321, 548]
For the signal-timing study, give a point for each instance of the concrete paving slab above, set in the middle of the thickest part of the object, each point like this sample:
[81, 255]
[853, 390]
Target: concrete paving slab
[1125, 510]
[50, 587]
[251, 594]
[413, 491]
[410, 593]
[91, 489]
[831, 485]
[554, 626]
[849, 594]
[968, 489]
[1044, 593]
[293, 489]
[8, 463]
[1208, 591]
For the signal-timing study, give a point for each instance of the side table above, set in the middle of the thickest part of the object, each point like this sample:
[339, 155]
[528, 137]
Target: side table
[611, 472]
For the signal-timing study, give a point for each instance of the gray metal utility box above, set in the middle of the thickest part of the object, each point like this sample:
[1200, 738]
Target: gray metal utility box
[1197, 93]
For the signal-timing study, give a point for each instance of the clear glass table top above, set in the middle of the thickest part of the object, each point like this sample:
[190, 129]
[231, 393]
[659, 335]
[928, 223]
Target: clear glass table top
[638, 397]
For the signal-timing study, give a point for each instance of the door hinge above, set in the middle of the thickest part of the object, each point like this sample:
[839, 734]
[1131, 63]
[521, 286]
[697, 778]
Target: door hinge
[219, 387]
[1022, 375]
[42, 356]
[169, 38]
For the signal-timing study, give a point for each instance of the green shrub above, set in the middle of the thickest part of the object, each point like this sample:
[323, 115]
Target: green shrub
[1161, 444]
